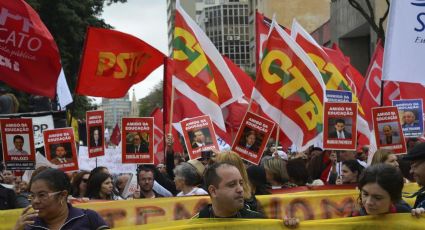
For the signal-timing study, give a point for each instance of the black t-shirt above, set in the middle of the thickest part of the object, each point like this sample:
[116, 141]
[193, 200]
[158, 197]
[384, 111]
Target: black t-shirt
[244, 213]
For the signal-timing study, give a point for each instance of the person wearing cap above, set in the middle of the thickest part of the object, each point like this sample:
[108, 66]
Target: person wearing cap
[417, 169]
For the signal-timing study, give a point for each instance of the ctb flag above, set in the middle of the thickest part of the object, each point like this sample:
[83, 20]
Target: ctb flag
[113, 61]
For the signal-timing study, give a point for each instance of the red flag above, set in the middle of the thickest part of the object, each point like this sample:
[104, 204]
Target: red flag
[262, 28]
[290, 89]
[29, 57]
[332, 77]
[113, 61]
[116, 135]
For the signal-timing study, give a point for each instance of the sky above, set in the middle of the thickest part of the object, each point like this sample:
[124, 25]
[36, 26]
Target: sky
[147, 20]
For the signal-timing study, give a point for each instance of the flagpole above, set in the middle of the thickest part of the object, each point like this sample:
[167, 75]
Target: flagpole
[382, 92]
[171, 110]
[277, 135]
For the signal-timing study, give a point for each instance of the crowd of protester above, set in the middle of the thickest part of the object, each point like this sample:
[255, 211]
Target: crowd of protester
[231, 183]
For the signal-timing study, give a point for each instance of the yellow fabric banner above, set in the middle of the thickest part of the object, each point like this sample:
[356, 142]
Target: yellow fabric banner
[308, 205]
[384, 222]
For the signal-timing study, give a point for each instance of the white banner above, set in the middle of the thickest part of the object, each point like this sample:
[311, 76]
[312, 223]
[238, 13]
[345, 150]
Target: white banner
[111, 160]
[40, 124]
[405, 43]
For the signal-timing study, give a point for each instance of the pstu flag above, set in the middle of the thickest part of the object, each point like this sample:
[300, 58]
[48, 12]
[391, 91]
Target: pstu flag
[113, 61]
[290, 89]
[29, 56]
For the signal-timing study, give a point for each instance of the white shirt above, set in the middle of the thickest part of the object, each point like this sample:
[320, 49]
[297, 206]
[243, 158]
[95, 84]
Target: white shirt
[194, 192]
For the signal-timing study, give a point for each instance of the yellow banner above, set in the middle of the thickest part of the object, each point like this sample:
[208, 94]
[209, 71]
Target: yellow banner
[385, 222]
[309, 205]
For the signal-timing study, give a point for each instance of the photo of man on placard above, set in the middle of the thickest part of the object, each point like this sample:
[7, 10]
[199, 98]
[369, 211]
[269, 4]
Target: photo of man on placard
[389, 133]
[18, 141]
[61, 153]
[409, 119]
[339, 129]
[200, 137]
[136, 143]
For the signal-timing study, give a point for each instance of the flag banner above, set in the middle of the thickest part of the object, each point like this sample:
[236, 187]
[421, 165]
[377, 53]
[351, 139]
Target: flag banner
[332, 76]
[199, 65]
[339, 96]
[113, 61]
[411, 114]
[340, 126]
[404, 44]
[30, 59]
[252, 137]
[199, 136]
[60, 149]
[116, 135]
[62, 90]
[95, 125]
[188, 103]
[307, 205]
[388, 132]
[137, 140]
[18, 144]
[40, 124]
[290, 90]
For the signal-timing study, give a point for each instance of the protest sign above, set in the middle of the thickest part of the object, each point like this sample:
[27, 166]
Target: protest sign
[60, 149]
[18, 144]
[339, 96]
[40, 124]
[411, 117]
[340, 131]
[252, 137]
[137, 140]
[388, 132]
[95, 128]
[111, 160]
[199, 136]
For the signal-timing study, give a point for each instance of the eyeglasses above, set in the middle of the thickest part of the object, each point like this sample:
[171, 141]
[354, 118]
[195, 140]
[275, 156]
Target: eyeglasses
[42, 195]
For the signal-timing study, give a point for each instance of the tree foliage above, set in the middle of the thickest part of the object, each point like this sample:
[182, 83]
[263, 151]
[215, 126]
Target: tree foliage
[151, 101]
[369, 14]
[67, 21]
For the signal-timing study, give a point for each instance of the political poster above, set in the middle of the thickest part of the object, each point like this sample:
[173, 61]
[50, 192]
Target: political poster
[339, 96]
[252, 137]
[18, 144]
[340, 129]
[199, 136]
[60, 149]
[40, 124]
[137, 140]
[95, 126]
[411, 117]
[388, 132]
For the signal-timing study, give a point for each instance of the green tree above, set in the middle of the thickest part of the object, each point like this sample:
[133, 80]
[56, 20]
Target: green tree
[153, 100]
[67, 21]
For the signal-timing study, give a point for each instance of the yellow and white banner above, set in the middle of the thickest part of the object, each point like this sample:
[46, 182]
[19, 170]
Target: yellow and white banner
[309, 205]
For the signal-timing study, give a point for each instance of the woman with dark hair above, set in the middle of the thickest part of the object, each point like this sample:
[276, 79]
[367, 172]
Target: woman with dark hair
[257, 180]
[49, 208]
[100, 187]
[79, 184]
[297, 172]
[350, 172]
[380, 187]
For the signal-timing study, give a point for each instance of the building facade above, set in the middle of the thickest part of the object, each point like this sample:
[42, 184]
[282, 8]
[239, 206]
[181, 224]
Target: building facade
[115, 109]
